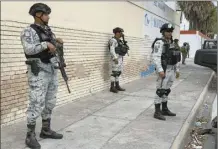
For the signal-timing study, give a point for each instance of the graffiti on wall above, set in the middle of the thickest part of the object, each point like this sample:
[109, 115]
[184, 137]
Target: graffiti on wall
[149, 71]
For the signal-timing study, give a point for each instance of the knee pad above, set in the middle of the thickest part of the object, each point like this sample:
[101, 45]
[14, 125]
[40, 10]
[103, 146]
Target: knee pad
[167, 91]
[160, 92]
[115, 73]
[119, 73]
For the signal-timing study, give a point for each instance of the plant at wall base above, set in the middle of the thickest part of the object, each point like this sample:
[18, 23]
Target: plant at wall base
[202, 15]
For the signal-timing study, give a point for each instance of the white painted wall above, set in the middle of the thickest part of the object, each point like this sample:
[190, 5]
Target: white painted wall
[185, 24]
[157, 13]
[86, 15]
[101, 16]
[171, 4]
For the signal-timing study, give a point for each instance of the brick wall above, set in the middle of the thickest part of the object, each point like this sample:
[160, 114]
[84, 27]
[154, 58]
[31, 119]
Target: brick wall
[88, 66]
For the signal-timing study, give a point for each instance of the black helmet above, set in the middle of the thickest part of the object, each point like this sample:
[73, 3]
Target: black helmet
[166, 27]
[117, 29]
[176, 40]
[39, 7]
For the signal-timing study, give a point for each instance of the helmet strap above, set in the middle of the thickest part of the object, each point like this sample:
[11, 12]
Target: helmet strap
[163, 33]
[44, 23]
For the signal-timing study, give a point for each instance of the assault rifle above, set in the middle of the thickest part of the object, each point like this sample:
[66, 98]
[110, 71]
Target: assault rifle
[125, 44]
[59, 53]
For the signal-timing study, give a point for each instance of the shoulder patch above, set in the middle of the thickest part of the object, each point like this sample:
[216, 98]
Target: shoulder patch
[111, 43]
[26, 33]
[156, 48]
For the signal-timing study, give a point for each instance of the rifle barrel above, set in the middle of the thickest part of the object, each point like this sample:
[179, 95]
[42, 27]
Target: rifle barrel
[68, 87]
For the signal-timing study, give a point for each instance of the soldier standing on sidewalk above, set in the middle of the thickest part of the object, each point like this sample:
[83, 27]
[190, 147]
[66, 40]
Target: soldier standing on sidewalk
[184, 50]
[188, 49]
[176, 44]
[42, 76]
[117, 50]
[177, 47]
[165, 57]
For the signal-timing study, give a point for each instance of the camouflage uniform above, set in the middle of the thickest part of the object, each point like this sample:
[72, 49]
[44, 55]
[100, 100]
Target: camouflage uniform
[170, 74]
[165, 56]
[188, 49]
[117, 67]
[42, 76]
[42, 88]
[184, 51]
[178, 48]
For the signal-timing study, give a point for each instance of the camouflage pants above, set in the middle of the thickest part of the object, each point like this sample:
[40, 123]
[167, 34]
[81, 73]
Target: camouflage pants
[165, 83]
[184, 56]
[42, 94]
[116, 69]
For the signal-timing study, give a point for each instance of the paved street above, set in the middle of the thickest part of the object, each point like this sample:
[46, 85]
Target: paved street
[119, 121]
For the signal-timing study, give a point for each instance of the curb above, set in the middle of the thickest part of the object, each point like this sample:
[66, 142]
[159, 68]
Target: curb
[214, 109]
[181, 136]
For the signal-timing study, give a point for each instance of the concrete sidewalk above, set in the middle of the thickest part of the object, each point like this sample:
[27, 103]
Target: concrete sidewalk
[119, 121]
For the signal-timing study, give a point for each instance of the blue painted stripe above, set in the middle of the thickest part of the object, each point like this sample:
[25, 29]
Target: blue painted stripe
[150, 70]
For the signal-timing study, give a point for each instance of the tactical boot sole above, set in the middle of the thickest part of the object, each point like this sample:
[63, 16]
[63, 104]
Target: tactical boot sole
[34, 147]
[49, 137]
[114, 91]
[168, 114]
[31, 147]
[159, 117]
[121, 90]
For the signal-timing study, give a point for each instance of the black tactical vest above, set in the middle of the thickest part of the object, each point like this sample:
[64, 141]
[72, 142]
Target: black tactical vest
[44, 35]
[170, 54]
[121, 49]
[173, 55]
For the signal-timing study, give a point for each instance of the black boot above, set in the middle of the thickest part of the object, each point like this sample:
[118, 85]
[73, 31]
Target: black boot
[113, 89]
[31, 140]
[118, 87]
[166, 111]
[46, 131]
[157, 113]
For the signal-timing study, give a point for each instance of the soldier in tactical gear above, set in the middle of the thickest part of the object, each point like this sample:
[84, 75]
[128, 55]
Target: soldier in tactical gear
[184, 50]
[42, 76]
[188, 49]
[165, 57]
[177, 47]
[118, 50]
[176, 44]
